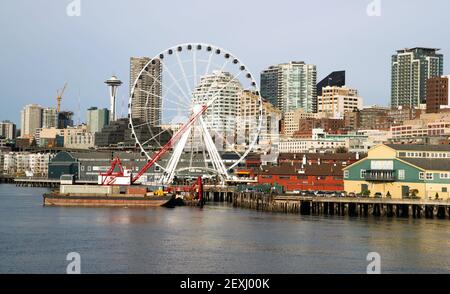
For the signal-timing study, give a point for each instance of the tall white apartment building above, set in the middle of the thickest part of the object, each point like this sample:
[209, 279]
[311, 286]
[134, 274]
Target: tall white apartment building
[31, 119]
[49, 118]
[221, 115]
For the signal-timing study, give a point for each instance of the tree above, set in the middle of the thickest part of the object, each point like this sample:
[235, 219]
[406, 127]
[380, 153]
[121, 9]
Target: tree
[437, 196]
[366, 193]
[341, 149]
[388, 194]
[414, 193]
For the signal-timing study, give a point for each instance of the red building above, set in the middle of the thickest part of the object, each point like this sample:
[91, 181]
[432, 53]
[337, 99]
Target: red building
[314, 158]
[314, 177]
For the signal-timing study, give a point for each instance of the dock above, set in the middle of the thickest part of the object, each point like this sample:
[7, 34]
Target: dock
[343, 206]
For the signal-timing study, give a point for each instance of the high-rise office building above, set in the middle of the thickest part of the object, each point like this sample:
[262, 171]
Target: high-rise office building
[7, 130]
[65, 119]
[49, 118]
[294, 83]
[31, 119]
[336, 78]
[269, 85]
[438, 93]
[146, 104]
[97, 119]
[335, 101]
[410, 70]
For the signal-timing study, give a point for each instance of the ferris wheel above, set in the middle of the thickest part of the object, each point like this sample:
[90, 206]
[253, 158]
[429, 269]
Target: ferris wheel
[205, 97]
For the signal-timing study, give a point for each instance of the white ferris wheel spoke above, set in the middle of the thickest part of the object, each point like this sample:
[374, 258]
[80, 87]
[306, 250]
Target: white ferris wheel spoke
[153, 138]
[182, 99]
[180, 64]
[194, 66]
[166, 68]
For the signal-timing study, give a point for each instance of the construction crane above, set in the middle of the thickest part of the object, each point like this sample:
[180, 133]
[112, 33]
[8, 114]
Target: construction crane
[59, 94]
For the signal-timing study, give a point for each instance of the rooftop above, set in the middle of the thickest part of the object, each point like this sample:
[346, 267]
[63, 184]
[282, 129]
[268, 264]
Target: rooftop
[309, 170]
[430, 164]
[419, 147]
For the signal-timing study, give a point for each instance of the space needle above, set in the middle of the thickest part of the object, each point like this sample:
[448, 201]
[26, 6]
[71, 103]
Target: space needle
[113, 83]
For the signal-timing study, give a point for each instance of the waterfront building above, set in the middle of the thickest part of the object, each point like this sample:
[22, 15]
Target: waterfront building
[86, 166]
[295, 86]
[336, 101]
[7, 130]
[334, 79]
[297, 159]
[146, 100]
[97, 119]
[31, 119]
[307, 177]
[401, 171]
[438, 92]
[410, 70]
[49, 118]
[26, 164]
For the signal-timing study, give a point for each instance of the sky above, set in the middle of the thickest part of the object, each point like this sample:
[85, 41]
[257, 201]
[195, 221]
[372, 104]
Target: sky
[42, 46]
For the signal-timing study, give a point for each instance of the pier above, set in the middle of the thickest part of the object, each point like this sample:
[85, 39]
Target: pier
[343, 206]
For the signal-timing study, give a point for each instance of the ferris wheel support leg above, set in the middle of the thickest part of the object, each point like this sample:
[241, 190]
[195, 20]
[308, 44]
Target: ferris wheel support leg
[213, 153]
[173, 162]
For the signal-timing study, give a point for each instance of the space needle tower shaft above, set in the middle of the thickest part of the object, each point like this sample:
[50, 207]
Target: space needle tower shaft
[113, 84]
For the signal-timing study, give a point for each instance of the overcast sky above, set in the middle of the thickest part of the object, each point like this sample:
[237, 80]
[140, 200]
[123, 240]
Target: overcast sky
[41, 46]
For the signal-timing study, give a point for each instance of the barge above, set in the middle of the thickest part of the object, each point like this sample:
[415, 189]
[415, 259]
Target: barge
[107, 196]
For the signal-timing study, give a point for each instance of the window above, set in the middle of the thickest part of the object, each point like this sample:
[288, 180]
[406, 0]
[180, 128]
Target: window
[444, 190]
[401, 174]
[346, 174]
[82, 168]
[429, 176]
[89, 168]
[363, 173]
[421, 176]
[444, 176]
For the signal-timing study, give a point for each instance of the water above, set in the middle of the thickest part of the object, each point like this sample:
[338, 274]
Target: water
[217, 239]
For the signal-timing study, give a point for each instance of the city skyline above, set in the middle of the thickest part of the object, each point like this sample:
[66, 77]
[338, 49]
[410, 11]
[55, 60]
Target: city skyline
[88, 53]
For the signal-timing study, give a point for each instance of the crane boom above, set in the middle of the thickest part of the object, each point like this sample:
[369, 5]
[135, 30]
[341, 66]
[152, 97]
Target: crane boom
[59, 97]
[169, 144]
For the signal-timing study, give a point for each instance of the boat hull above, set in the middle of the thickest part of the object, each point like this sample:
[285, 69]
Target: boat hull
[107, 200]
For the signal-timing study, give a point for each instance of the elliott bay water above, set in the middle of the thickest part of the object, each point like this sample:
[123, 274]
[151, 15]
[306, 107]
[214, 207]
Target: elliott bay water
[216, 239]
